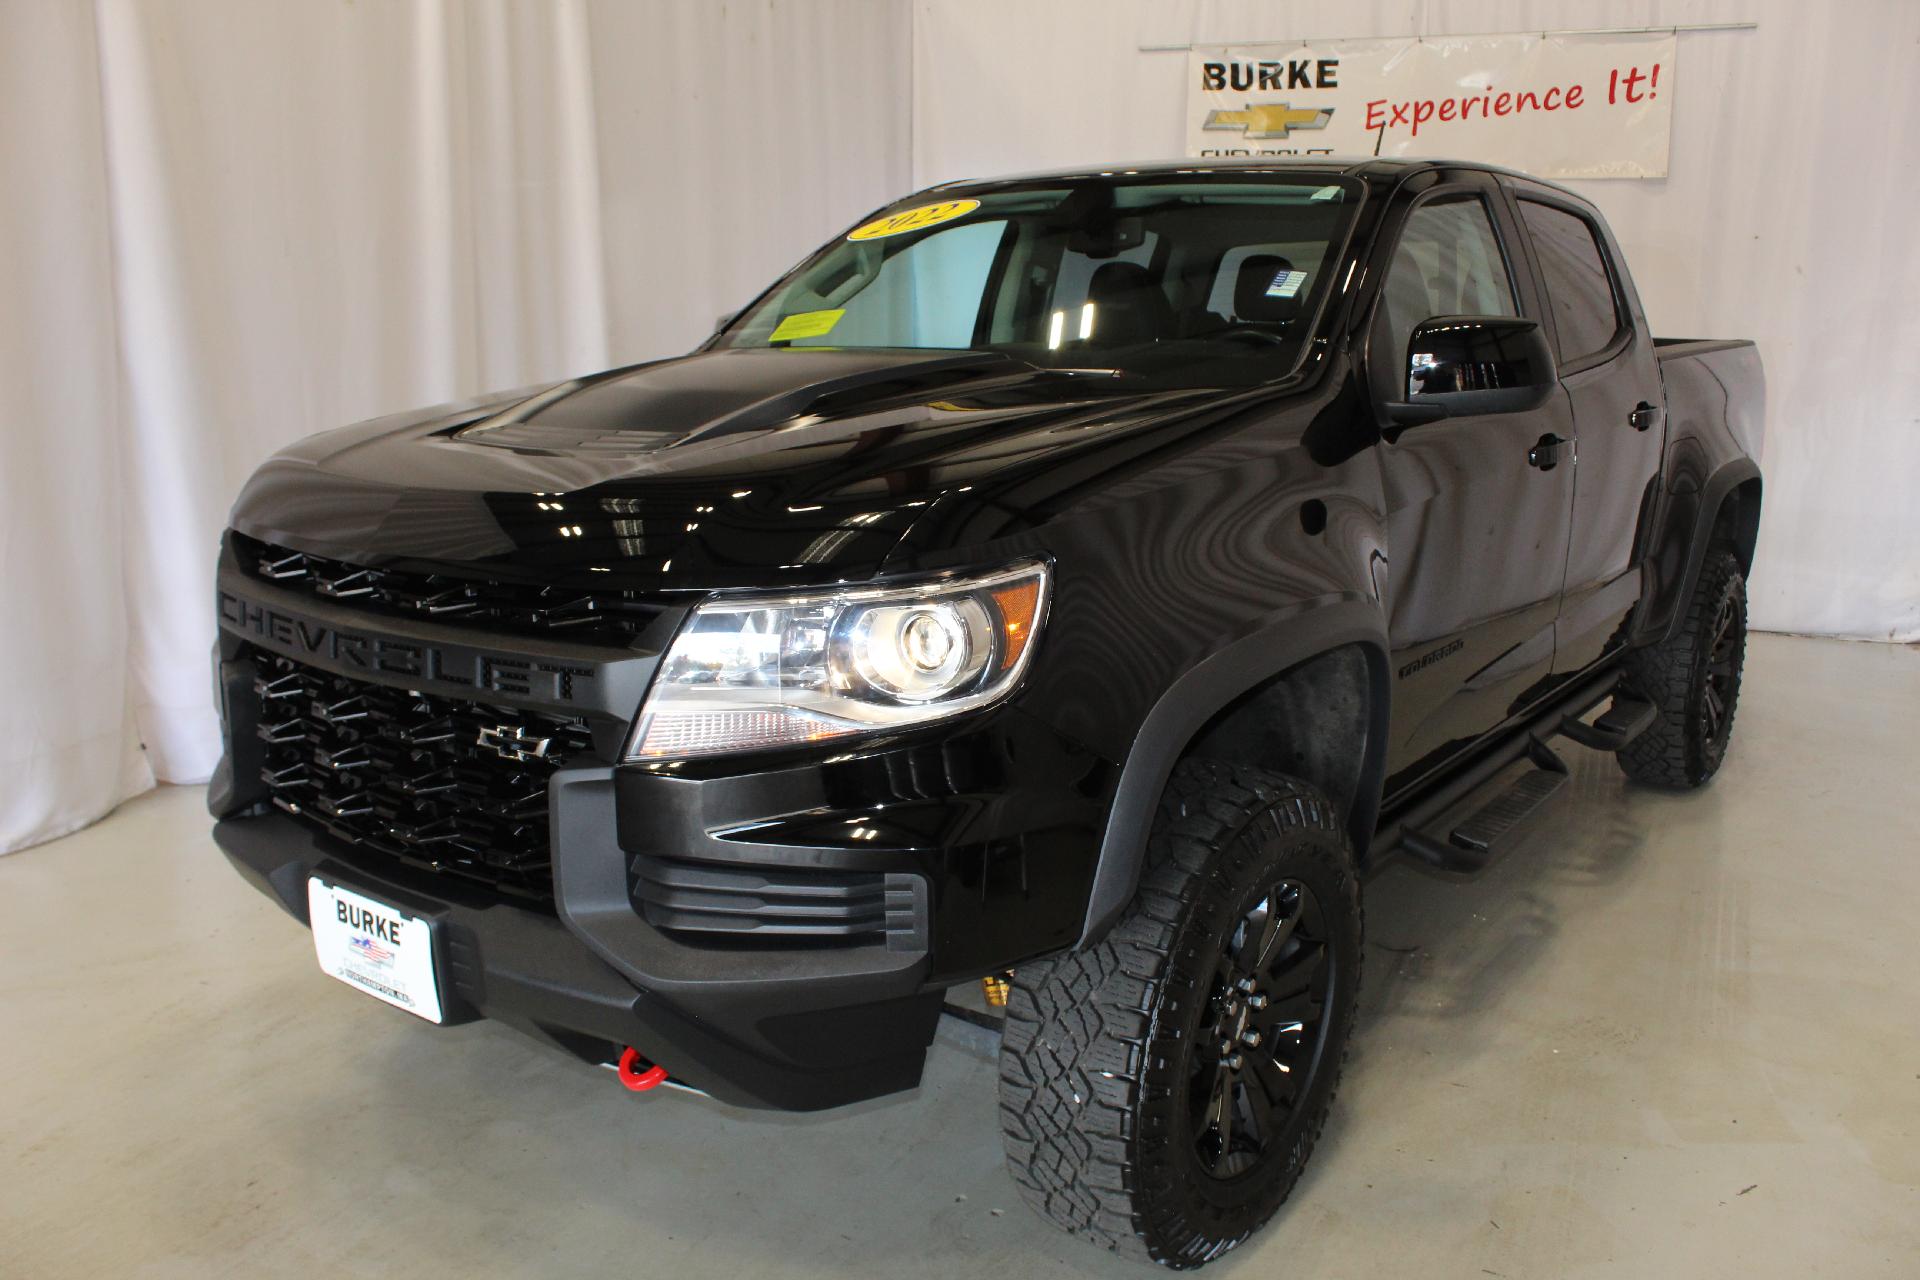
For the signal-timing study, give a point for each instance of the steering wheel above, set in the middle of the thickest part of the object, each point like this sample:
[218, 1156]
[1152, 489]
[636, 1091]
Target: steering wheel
[1247, 333]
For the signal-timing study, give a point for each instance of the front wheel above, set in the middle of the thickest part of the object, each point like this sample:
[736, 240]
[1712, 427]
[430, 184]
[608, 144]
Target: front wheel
[1160, 1092]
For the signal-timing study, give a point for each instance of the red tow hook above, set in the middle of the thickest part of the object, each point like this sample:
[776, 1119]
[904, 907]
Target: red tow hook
[639, 1081]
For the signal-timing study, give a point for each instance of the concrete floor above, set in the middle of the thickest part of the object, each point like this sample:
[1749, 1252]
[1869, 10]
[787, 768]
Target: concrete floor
[1666, 1036]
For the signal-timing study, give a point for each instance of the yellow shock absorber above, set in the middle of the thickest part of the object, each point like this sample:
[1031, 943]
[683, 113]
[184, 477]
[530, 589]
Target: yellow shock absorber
[994, 988]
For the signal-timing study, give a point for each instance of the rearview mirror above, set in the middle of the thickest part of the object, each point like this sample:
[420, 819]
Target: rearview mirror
[1463, 365]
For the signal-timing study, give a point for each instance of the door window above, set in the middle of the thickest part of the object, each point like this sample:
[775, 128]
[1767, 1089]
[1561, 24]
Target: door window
[1448, 263]
[1586, 314]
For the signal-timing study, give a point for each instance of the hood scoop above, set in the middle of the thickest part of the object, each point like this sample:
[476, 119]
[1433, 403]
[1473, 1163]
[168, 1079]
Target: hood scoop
[632, 412]
[540, 437]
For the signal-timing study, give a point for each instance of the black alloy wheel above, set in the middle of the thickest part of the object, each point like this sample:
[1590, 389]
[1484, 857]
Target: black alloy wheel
[1693, 679]
[1720, 679]
[1261, 1032]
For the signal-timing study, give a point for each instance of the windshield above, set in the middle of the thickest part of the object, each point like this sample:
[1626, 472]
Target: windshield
[1185, 282]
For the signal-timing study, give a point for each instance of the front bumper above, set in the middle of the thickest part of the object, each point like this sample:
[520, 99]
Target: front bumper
[815, 1033]
[984, 834]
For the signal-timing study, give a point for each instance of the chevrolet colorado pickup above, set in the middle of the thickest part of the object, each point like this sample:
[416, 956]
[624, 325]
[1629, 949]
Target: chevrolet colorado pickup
[1088, 577]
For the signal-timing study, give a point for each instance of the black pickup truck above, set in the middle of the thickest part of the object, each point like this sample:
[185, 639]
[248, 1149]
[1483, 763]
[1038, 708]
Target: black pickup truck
[1083, 580]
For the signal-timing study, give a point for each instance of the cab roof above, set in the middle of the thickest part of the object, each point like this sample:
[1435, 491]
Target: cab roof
[1388, 168]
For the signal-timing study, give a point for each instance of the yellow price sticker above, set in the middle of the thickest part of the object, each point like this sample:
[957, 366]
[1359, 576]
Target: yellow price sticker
[926, 215]
[806, 324]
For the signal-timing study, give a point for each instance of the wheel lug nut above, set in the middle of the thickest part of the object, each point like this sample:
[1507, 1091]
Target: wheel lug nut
[1251, 1039]
[1245, 984]
[1257, 1001]
[1233, 1062]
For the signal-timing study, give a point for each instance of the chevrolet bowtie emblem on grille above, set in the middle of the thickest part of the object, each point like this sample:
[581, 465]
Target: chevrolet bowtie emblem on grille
[511, 742]
[1269, 119]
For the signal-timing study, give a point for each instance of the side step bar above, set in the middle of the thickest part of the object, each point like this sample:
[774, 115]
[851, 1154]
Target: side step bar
[1504, 812]
[1472, 842]
[1471, 845]
[1621, 723]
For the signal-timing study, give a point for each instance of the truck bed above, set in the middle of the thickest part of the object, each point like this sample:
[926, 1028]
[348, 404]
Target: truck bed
[1713, 384]
[1673, 348]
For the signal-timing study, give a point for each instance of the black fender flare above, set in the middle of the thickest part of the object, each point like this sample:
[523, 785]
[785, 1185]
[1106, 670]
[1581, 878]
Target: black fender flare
[1693, 510]
[1205, 689]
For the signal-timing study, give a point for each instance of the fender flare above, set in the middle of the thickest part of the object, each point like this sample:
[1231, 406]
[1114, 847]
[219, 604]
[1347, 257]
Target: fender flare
[1665, 614]
[1202, 692]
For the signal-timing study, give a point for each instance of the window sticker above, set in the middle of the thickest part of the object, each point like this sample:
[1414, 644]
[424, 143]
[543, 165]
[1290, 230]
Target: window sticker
[915, 219]
[1326, 193]
[806, 324]
[1286, 284]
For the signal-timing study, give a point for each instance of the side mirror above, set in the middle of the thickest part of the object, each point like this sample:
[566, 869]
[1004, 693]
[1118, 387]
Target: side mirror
[1463, 365]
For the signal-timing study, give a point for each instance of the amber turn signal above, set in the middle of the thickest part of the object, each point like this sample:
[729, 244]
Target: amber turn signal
[1017, 604]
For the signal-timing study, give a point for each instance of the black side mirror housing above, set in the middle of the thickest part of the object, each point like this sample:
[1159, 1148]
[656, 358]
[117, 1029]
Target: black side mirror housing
[1459, 366]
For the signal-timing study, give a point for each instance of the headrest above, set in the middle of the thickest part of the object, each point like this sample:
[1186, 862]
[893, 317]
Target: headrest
[1128, 305]
[1268, 289]
[1112, 280]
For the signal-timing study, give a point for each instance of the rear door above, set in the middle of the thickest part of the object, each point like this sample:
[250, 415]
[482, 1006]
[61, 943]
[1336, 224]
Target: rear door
[1477, 511]
[1608, 367]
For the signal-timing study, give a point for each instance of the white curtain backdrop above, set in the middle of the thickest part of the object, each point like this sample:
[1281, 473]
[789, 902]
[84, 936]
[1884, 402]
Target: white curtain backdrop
[226, 224]
[1788, 216]
[70, 749]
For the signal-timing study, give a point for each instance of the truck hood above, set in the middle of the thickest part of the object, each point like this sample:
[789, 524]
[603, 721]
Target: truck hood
[722, 468]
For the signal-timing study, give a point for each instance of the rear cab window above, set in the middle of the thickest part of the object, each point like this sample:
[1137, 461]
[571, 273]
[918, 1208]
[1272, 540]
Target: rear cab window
[1587, 319]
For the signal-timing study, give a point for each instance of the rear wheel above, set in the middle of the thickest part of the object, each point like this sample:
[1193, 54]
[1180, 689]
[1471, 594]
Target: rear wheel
[1693, 678]
[1162, 1090]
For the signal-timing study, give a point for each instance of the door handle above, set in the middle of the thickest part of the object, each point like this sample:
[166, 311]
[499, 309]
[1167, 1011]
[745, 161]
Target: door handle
[1545, 453]
[1643, 416]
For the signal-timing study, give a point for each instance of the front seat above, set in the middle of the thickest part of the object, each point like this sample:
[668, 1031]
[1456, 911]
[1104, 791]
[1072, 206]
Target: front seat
[1128, 306]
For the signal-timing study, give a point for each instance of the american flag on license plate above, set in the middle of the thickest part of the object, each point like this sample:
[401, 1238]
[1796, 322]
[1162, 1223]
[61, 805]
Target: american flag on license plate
[368, 949]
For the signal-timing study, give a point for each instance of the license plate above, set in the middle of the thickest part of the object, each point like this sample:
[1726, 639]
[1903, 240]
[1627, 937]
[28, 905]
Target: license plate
[374, 948]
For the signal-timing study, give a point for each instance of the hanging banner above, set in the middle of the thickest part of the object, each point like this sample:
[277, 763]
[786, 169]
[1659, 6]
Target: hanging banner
[1555, 106]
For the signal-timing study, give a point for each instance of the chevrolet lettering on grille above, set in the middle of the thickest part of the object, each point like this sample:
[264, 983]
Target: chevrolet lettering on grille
[310, 639]
[512, 742]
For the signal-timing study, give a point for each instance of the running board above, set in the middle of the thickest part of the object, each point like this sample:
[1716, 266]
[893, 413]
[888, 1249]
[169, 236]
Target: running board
[1472, 844]
[1626, 719]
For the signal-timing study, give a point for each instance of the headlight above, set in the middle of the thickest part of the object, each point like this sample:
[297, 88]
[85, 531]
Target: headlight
[746, 674]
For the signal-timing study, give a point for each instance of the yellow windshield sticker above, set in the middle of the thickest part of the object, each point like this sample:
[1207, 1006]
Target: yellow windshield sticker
[806, 324]
[926, 215]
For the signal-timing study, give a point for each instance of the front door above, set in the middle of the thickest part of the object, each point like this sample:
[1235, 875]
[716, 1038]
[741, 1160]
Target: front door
[1478, 508]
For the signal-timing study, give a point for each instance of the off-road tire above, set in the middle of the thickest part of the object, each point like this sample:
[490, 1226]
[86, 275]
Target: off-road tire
[1686, 743]
[1096, 1064]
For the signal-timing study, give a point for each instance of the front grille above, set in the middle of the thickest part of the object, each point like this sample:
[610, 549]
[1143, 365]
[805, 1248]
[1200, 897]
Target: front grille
[721, 900]
[419, 779]
[593, 617]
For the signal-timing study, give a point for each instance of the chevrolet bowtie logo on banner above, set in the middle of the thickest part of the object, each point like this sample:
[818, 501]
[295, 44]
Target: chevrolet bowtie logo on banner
[1555, 106]
[1269, 119]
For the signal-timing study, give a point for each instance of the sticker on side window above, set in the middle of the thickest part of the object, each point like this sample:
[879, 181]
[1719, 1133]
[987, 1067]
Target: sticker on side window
[926, 215]
[1286, 284]
[805, 324]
